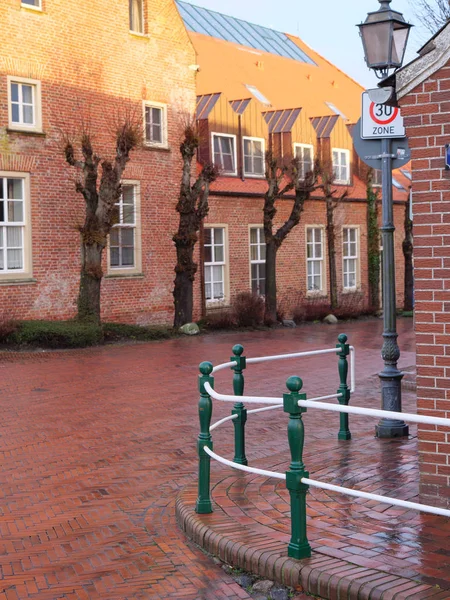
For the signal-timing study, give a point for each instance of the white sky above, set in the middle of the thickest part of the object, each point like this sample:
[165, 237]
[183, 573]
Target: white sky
[328, 26]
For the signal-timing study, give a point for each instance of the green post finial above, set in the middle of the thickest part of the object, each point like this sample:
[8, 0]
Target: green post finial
[204, 504]
[344, 390]
[299, 546]
[239, 408]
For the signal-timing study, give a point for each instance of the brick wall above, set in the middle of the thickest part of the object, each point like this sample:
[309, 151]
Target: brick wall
[238, 213]
[89, 63]
[427, 118]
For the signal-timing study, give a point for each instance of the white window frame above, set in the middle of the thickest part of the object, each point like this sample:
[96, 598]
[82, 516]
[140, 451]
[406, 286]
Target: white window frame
[347, 153]
[374, 184]
[225, 264]
[26, 272]
[136, 269]
[356, 287]
[38, 7]
[227, 135]
[323, 275]
[37, 105]
[133, 31]
[263, 146]
[311, 147]
[163, 108]
[259, 260]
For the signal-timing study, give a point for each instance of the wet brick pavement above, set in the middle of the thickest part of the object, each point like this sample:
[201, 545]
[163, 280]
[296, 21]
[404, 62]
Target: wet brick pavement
[97, 443]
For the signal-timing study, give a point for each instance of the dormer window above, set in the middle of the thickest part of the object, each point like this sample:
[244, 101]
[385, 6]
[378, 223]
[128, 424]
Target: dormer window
[304, 155]
[253, 157]
[224, 153]
[341, 166]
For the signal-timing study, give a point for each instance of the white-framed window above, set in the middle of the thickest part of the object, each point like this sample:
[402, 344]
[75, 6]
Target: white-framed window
[376, 178]
[350, 257]
[258, 260]
[155, 124]
[136, 11]
[214, 262]
[253, 151]
[224, 152]
[314, 259]
[124, 256]
[15, 238]
[304, 153]
[341, 165]
[24, 104]
[36, 4]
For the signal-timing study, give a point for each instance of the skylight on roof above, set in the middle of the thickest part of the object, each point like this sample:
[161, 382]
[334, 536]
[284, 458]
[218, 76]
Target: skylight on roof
[336, 110]
[230, 29]
[258, 95]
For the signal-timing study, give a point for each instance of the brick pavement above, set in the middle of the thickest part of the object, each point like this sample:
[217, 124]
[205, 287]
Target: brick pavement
[97, 443]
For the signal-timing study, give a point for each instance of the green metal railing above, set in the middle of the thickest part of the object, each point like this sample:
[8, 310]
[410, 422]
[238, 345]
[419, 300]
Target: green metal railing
[299, 546]
[295, 404]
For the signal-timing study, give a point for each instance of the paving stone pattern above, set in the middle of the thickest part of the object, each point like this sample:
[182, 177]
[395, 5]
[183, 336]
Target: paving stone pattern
[97, 443]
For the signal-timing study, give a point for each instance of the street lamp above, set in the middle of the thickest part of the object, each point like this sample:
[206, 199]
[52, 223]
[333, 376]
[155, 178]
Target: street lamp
[384, 35]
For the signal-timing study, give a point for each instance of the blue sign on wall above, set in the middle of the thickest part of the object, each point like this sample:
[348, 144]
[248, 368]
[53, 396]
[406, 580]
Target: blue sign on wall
[447, 157]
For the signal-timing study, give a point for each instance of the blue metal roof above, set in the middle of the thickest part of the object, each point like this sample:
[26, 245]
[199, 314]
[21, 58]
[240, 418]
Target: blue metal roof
[230, 29]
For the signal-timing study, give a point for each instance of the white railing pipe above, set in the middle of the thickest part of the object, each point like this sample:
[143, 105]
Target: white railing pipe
[372, 412]
[384, 499]
[352, 369]
[247, 399]
[230, 463]
[230, 418]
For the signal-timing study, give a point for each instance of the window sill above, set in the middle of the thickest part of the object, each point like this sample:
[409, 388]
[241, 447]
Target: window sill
[17, 281]
[338, 182]
[31, 132]
[252, 176]
[138, 34]
[147, 146]
[356, 290]
[35, 9]
[122, 275]
[318, 294]
[217, 304]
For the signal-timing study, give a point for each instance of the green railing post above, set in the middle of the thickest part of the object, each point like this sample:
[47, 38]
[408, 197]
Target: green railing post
[344, 390]
[299, 546]
[239, 408]
[204, 504]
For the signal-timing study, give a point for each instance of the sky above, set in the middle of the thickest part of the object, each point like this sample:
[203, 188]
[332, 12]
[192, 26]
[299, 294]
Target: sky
[328, 26]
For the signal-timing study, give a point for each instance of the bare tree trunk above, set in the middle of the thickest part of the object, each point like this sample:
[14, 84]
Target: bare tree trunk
[331, 243]
[192, 207]
[271, 282]
[90, 282]
[408, 254]
[185, 270]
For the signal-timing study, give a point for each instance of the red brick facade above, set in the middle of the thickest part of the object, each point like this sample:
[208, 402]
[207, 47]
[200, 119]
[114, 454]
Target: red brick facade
[83, 63]
[87, 63]
[426, 111]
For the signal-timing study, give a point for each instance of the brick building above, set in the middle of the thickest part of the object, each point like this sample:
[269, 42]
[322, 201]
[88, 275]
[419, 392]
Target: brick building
[259, 88]
[255, 86]
[80, 62]
[423, 90]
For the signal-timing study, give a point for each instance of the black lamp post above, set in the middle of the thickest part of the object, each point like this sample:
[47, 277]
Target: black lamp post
[385, 35]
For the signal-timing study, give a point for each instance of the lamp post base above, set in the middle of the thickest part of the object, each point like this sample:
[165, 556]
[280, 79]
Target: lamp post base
[391, 395]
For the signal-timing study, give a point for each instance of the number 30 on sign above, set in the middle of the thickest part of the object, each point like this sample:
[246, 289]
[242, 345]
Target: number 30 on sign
[380, 120]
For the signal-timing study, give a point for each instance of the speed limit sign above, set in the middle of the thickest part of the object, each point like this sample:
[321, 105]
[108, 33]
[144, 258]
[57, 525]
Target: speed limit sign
[380, 120]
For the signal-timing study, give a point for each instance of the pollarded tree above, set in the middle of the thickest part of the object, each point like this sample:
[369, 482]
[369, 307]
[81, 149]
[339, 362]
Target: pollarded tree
[332, 198]
[281, 180]
[193, 208]
[432, 13]
[99, 182]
